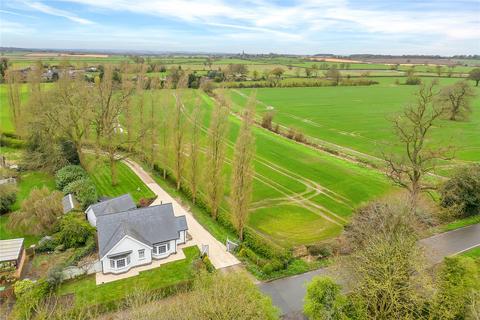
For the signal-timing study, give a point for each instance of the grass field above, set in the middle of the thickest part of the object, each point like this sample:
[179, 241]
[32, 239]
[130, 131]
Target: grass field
[128, 182]
[300, 195]
[87, 293]
[358, 117]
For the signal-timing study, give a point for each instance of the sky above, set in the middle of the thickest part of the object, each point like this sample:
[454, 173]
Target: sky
[443, 27]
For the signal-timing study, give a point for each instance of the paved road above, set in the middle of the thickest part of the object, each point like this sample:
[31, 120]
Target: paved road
[218, 254]
[451, 243]
[288, 293]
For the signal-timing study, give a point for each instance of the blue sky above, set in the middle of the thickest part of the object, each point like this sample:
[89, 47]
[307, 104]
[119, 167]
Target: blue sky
[256, 26]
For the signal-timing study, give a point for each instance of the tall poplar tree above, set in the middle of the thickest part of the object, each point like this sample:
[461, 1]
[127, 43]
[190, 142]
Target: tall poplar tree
[217, 137]
[195, 149]
[243, 171]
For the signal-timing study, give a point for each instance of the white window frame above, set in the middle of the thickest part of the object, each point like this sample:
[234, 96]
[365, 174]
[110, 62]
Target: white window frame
[141, 254]
[156, 248]
[114, 262]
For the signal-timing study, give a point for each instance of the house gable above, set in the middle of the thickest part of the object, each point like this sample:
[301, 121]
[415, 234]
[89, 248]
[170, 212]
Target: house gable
[127, 243]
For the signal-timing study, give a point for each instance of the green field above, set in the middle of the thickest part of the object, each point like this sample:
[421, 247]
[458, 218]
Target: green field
[300, 195]
[357, 118]
[128, 182]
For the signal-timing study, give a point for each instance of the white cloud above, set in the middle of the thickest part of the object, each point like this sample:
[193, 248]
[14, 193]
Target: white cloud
[16, 14]
[14, 28]
[303, 17]
[57, 12]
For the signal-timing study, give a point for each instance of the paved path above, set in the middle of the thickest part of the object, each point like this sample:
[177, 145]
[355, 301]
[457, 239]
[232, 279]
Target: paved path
[218, 254]
[288, 293]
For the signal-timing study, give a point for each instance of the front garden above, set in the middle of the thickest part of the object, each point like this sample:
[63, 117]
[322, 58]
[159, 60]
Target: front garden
[87, 293]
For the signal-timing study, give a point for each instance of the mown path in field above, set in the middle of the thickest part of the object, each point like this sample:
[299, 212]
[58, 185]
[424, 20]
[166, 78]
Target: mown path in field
[302, 199]
[345, 151]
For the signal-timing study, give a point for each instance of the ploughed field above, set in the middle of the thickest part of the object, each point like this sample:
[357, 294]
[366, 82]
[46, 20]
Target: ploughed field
[300, 195]
[356, 120]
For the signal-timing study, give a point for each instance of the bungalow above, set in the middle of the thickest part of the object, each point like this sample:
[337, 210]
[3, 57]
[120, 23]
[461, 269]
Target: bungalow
[135, 237]
[109, 206]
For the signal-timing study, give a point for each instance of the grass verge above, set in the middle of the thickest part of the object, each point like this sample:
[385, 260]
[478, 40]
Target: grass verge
[460, 223]
[472, 253]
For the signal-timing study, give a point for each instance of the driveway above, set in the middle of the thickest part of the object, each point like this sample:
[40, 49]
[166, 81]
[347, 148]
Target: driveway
[288, 293]
[217, 251]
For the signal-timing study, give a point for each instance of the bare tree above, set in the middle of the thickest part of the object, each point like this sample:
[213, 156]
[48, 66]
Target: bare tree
[178, 134]
[195, 149]
[412, 128]
[243, 171]
[152, 130]
[110, 105]
[140, 106]
[217, 137]
[386, 270]
[439, 70]
[267, 119]
[457, 99]
[70, 110]
[165, 134]
[13, 91]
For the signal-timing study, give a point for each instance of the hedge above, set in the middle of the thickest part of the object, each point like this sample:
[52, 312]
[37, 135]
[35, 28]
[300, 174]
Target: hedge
[69, 174]
[84, 190]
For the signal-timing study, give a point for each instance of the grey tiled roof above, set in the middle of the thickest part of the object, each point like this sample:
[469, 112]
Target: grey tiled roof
[148, 225]
[69, 203]
[118, 204]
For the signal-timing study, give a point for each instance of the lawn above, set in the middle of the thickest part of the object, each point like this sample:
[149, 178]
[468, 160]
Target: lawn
[128, 182]
[28, 180]
[358, 117]
[87, 293]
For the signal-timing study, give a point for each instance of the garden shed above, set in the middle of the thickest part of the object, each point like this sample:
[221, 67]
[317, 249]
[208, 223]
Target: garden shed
[12, 255]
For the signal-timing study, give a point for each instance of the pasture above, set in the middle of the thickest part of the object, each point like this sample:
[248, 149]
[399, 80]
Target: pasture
[358, 118]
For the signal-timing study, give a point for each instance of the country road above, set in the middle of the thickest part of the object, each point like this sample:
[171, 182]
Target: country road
[288, 293]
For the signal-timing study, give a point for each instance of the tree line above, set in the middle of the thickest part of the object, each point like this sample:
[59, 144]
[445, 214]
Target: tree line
[117, 120]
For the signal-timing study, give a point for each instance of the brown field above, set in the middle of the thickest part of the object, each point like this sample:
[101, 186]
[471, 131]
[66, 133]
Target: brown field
[411, 61]
[336, 60]
[53, 54]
